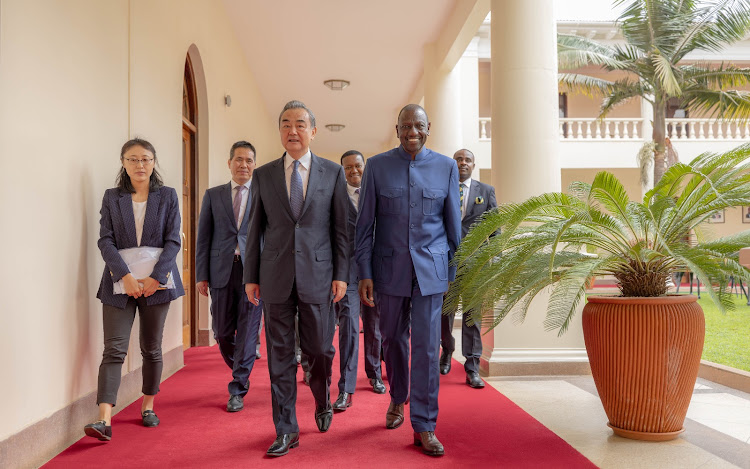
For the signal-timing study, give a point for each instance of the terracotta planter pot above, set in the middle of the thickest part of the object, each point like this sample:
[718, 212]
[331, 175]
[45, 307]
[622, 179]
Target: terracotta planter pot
[644, 355]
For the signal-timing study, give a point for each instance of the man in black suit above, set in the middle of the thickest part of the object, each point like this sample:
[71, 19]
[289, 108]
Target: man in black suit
[476, 198]
[220, 247]
[349, 308]
[297, 258]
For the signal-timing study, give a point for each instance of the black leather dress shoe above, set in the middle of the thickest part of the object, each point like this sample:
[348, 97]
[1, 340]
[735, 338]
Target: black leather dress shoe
[445, 362]
[323, 417]
[235, 404]
[395, 415]
[282, 444]
[344, 401]
[149, 418]
[473, 380]
[99, 430]
[377, 385]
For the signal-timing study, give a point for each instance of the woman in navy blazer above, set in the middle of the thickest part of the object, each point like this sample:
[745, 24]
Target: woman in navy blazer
[140, 211]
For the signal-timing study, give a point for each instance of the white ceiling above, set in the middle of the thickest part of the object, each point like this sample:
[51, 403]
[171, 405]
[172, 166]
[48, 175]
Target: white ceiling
[292, 46]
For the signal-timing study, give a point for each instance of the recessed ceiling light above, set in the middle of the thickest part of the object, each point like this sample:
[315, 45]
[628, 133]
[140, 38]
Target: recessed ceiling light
[336, 84]
[335, 127]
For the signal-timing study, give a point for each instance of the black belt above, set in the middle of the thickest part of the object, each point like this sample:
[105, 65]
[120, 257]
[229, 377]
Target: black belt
[237, 258]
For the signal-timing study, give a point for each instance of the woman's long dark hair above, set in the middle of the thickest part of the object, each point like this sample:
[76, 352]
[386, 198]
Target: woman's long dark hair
[123, 180]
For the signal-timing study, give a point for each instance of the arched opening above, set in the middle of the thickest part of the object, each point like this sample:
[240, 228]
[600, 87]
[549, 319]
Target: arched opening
[190, 118]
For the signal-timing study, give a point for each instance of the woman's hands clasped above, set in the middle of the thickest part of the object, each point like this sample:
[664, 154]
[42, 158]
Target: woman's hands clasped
[138, 288]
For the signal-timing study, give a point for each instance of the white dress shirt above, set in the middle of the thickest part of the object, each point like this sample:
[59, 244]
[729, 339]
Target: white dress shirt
[243, 205]
[465, 206]
[353, 195]
[304, 171]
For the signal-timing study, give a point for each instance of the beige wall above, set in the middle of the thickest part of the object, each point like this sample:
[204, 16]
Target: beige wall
[629, 177]
[78, 79]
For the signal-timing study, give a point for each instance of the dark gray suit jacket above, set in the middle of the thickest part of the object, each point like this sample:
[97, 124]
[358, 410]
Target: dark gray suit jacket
[481, 198]
[313, 250]
[161, 229]
[218, 236]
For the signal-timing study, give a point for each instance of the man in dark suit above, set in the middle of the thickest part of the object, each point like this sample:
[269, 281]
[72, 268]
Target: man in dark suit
[408, 229]
[297, 258]
[349, 308]
[222, 233]
[476, 198]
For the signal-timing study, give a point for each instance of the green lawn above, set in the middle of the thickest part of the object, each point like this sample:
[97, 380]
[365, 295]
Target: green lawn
[727, 335]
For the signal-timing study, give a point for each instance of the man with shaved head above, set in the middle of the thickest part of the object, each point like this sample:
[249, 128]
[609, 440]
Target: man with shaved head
[408, 228]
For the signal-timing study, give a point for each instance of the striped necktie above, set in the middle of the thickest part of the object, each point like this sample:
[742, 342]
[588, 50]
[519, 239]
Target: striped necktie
[295, 192]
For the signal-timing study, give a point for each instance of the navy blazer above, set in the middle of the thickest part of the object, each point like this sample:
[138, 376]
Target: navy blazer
[310, 252]
[218, 236]
[161, 229]
[409, 213]
[481, 199]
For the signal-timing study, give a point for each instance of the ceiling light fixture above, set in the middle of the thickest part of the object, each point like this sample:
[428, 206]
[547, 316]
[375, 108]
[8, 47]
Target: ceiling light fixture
[336, 84]
[335, 127]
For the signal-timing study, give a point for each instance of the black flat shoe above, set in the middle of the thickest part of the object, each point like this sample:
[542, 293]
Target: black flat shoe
[149, 418]
[282, 444]
[323, 418]
[99, 430]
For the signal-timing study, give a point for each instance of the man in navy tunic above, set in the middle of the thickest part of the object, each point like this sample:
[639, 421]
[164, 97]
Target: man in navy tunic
[408, 229]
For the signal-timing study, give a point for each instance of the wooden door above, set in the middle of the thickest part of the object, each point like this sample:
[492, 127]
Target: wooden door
[188, 303]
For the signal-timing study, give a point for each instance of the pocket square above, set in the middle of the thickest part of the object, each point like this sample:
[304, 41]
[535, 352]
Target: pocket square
[479, 200]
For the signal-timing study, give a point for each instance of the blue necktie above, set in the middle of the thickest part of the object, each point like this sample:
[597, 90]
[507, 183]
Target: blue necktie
[295, 192]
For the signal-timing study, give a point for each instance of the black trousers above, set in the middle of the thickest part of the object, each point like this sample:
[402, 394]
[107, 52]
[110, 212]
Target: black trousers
[348, 311]
[117, 326]
[471, 341]
[316, 330]
[235, 322]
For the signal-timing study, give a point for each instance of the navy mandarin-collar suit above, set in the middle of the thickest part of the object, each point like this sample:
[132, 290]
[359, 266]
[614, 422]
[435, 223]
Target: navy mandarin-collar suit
[408, 229]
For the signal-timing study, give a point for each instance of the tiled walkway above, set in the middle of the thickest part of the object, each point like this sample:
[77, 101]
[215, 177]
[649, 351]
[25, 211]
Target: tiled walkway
[717, 428]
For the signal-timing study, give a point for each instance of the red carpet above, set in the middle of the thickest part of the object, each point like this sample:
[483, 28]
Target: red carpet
[479, 428]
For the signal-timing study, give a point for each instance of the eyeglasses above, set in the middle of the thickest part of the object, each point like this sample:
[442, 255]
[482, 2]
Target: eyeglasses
[136, 161]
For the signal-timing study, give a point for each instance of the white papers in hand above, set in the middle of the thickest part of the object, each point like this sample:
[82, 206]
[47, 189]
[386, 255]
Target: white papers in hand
[141, 262]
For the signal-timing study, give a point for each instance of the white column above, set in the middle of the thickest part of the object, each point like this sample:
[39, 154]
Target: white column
[525, 162]
[442, 103]
[468, 67]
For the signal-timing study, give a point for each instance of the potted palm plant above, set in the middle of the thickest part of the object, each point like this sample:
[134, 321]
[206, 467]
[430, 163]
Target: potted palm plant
[644, 345]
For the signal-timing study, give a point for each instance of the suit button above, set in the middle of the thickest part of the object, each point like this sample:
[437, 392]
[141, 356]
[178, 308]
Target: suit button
[413, 184]
[413, 204]
[296, 226]
[412, 225]
[412, 165]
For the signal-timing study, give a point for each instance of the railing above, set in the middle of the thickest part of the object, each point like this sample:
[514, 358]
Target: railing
[572, 128]
[707, 129]
[604, 129]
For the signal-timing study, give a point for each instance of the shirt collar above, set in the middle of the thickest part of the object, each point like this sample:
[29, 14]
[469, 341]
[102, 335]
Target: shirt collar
[247, 184]
[420, 156]
[466, 183]
[304, 161]
[350, 189]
